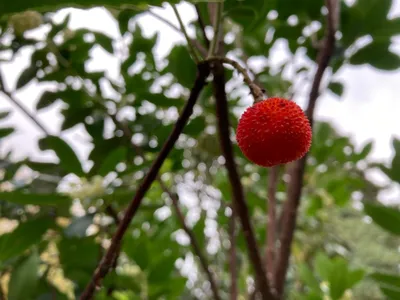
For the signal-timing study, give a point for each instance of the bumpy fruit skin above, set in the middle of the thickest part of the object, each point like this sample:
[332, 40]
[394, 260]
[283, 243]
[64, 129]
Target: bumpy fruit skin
[273, 132]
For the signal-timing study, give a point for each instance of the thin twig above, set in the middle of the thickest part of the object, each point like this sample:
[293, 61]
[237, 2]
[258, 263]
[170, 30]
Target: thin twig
[193, 241]
[240, 205]
[271, 228]
[202, 25]
[196, 43]
[255, 90]
[104, 266]
[298, 168]
[191, 48]
[213, 49]
[12, 99]
[233, 257]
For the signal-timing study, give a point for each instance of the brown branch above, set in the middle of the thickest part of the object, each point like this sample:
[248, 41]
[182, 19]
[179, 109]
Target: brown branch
[233, 256]
[271, 228]
[202, 25]
[104, 266]
[193, 241]
[298, 167]
[239, 200]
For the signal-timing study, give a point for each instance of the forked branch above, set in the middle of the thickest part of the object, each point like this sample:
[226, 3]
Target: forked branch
[298, 168]
[105, 264]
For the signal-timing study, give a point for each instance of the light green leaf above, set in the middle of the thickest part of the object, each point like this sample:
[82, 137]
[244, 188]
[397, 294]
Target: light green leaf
[68, 159]
[24, 278]
[24, 236]
[386, 217]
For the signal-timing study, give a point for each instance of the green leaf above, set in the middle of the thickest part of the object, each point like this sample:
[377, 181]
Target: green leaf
[308, 277]
[23, 237]
[336, 87]
[337, 278]
[391, 293]
[24, 198]
[79, 257]
[78, 226]
[198, 231]
[137, 250]
[48, 5]
[112, 159]
[27, 75]
[4, 114]
[323, 265]
[47, 99]
[68, 159]
[161, 271]
[377, 54]
[181, 66]
[386, 279]
[394, 171]
[6, 131]
[104, 41]
[24, 278]
[365, 151]
[195, 126]
[161, 101]
[386, 217]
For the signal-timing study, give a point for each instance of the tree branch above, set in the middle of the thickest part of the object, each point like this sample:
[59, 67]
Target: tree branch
[193, 241]
[202, 25]
[217, 19]
[239, 200]
[196, 43]
[21, 107]
[271, 228]
[188, 39]
[233, 256]
[298, 167]
[104, 266]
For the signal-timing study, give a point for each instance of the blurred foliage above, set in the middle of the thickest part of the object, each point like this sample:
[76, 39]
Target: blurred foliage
[58, 213]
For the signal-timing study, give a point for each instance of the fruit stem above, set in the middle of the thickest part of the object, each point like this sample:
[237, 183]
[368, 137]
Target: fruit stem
[254, 88]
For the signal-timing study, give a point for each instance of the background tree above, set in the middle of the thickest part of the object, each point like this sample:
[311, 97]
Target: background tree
[183, 234]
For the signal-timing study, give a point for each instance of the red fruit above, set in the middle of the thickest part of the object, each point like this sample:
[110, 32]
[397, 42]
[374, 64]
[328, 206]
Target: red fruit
[274, 131]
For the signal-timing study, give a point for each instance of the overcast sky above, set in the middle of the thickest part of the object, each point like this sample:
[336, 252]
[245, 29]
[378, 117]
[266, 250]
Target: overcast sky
[368, 110]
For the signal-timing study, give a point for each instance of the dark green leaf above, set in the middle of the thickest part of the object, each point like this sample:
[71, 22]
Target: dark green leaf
[161, 271]
[78, 226]
[27, 75]
[181, 66]
[377, 54]
[336, 87]
[104, 41]
[47, 99]
[68, 159]
[391, 293]
[195, 126]
[79, 257]
[24, 278]
[160, 100]
[6, 131]
[24, 198]
[386, 280]
[386, 217]
[111, 161]
[24, 236]
[137, 250]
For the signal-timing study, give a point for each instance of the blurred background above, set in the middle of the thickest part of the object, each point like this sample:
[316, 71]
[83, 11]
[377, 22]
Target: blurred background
[78, 71]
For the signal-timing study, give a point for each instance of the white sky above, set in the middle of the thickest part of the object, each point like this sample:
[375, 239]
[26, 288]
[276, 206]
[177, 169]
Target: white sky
[368, 110]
